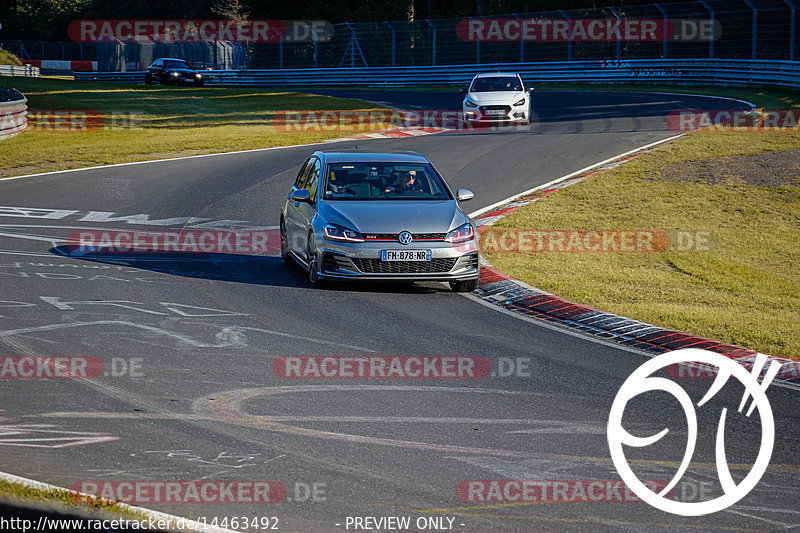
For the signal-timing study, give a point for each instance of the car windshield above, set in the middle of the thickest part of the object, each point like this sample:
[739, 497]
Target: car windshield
[175, 64]
[496, 83]
[383, 181]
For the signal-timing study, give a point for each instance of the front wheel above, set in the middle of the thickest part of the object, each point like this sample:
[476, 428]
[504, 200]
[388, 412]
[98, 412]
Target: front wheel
[286, 257]
[148, 79]
[468, 285]
[313, 264]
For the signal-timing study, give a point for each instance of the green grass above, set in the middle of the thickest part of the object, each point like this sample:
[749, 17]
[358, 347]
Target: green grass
[152, 122]
[17, 492]
[746, 291]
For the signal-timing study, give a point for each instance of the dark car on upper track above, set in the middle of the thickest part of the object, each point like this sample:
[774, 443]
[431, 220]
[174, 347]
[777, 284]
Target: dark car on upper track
[378, 216]
[171, 71]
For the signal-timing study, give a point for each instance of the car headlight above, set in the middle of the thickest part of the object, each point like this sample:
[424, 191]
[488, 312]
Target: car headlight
[338, 233]
[198, 75]
[176, 74]
[470, 104]
[521, 102]
[460, 234]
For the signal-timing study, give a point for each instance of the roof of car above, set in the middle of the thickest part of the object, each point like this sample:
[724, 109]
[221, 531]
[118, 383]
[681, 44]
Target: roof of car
[496, 74]
[359, 156]
[170, 59]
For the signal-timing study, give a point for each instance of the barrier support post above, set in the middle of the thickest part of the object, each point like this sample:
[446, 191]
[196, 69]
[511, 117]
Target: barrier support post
[663, 36]
[754, 36]
[791, 28]
[711, 41]
[569, 37]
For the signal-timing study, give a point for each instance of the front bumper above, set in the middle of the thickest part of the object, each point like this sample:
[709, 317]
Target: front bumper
[362, 261]
[483, 113]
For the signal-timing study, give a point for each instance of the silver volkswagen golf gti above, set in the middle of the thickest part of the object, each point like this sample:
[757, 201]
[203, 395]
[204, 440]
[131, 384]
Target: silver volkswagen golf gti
[378, 216]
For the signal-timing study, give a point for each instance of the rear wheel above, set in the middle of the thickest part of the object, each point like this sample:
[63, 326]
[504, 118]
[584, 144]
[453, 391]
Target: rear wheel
[468, 285]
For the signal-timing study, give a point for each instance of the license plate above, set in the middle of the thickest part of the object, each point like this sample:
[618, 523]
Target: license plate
[405, 255]
[495, 112]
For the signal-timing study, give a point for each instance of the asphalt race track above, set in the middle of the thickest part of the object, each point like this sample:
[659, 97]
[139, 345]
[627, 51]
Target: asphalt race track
[188, 346]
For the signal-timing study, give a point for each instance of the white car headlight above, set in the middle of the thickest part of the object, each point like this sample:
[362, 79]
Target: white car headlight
[469, 103]
[521, 102]
[460, 234]
[338, 233]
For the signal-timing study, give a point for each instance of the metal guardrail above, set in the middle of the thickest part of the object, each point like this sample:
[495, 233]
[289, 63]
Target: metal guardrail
[13, 113]
[676, 72]
[25, 71]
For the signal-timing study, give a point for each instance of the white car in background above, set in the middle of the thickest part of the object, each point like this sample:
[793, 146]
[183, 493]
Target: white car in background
[497, 97]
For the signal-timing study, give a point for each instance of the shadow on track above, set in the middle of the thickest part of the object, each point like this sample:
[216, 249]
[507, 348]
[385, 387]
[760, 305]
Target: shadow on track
[236, 268]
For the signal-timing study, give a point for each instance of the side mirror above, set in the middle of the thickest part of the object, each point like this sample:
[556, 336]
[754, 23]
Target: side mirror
[530, 89]
[301, 195]
[463, 90]
[462, 195]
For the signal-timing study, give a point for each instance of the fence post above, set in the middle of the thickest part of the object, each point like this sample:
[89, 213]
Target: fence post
[316, 49]
[619, 44]
[791, 28]
[569, 37]
[754, 37]
[477, 49]
[280, 53]
[433, 51]
[521, 41]
[664, 34]
[710, 42]
[394, 44]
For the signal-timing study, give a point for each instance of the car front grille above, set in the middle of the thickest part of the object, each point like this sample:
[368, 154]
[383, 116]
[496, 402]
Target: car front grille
[393, 236]
[376, 266]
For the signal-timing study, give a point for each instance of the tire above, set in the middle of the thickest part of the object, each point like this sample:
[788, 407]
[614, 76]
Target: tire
[199, 83]
[148, 80]
[313, 264]
[286, 256]
[468, 285]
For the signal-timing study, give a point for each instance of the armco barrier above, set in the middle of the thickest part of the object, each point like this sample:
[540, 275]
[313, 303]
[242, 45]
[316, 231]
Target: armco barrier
[56, 64]
[13, 112]
[677, 71]
[25, 71]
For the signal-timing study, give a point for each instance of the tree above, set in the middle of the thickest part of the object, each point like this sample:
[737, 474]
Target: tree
[229, 9]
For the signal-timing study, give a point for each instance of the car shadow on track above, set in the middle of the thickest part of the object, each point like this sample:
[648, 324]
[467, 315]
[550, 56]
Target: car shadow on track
[237, 268]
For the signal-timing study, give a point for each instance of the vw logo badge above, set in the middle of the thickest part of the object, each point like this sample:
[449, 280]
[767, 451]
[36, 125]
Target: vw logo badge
[405, 238]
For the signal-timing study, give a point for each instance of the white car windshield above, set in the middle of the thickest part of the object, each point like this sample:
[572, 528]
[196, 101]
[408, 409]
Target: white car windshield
[496, 83]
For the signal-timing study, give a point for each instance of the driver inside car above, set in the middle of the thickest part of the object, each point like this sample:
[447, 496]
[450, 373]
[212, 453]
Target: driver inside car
[407, 182]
